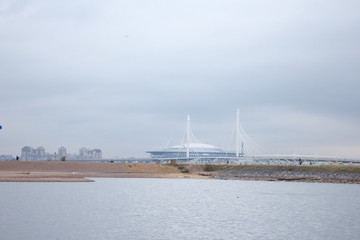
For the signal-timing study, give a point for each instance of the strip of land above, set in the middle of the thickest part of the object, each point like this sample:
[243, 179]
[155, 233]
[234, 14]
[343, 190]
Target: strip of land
[58, 171]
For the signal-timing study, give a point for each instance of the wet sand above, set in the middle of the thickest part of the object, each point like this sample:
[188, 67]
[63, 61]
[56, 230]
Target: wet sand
[57, 171]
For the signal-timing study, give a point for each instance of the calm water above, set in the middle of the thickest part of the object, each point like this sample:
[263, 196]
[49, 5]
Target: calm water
[179, 209]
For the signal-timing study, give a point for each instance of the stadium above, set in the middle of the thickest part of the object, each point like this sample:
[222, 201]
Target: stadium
[191, 151]
[244, 150]
[192, 148]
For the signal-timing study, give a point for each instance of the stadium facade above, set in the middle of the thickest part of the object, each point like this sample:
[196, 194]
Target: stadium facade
[192, 149]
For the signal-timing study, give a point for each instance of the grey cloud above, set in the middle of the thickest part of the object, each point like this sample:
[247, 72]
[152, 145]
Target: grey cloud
[123, 75]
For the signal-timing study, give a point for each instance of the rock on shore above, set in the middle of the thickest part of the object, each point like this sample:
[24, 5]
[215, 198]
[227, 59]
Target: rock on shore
[330, 177]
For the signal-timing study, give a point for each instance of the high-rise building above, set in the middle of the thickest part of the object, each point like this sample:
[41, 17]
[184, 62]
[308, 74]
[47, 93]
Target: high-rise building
[89, 154]
[27, 153]
[30, 154]
[40, 151]
[97, 153]
[83, 152]
[62, 152]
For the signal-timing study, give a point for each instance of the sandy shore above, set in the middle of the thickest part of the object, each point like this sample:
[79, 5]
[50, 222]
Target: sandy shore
[51, 171]
[12, 171]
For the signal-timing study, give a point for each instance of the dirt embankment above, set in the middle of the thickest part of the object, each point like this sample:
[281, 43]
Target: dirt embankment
[51, 171]
[84, 167]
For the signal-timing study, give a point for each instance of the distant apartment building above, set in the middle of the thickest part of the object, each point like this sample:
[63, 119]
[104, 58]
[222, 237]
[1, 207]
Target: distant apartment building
[38, 154]
[86, 153]
[27, 153]
[62, 152]
[35, 154]
[40, 151]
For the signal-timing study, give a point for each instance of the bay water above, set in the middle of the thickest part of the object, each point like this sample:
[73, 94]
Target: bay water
[179, 209]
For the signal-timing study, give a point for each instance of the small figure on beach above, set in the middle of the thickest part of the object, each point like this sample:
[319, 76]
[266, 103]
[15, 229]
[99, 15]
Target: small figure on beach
[17, 158]
[300, 161]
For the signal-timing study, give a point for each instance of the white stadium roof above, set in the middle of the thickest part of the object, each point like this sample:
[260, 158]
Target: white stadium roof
[194, 147]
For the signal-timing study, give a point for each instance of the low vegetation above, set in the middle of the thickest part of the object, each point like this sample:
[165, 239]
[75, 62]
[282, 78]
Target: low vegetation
[287, 168]
[296, 168]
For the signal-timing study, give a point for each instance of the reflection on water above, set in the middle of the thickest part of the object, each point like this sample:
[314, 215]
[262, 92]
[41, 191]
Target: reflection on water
[179, 209]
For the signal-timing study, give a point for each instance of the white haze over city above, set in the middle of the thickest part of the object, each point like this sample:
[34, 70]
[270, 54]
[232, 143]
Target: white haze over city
[122, 75]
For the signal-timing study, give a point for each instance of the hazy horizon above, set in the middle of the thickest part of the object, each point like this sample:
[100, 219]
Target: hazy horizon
[122, 75]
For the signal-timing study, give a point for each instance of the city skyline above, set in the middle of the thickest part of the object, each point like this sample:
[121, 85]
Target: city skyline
[122, 76]
[29, 153]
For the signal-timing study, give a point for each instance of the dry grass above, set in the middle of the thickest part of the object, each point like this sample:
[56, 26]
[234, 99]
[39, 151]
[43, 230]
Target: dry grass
[297, 168]
[287, 168]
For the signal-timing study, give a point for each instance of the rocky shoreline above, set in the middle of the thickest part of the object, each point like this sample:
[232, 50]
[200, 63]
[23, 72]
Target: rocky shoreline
[295, 173]
[329, 177]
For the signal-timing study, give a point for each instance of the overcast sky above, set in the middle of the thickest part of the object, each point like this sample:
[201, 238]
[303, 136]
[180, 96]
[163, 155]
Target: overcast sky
[123, 75]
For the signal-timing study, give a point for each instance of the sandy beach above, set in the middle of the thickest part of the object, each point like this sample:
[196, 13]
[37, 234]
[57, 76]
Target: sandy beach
[51, 171]
[57, 171]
